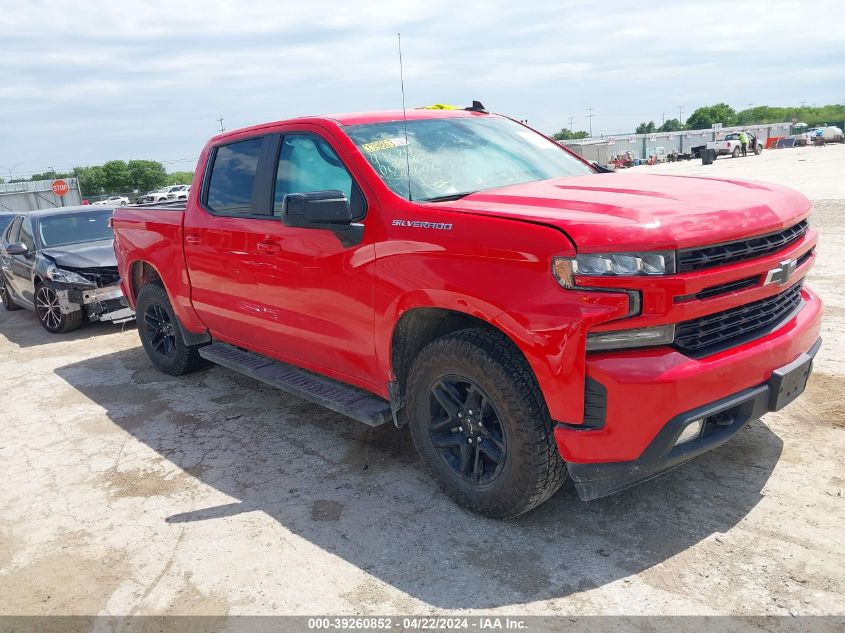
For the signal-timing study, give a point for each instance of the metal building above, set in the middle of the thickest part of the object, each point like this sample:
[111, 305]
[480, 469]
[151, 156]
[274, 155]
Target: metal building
[19, 197]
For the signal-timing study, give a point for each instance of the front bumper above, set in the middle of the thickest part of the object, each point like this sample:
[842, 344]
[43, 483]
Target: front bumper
[100, 304]
[652, 393]
[722, 420]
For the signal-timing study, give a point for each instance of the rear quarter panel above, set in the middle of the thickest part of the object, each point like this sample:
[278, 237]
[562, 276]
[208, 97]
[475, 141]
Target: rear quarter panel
[154, 236]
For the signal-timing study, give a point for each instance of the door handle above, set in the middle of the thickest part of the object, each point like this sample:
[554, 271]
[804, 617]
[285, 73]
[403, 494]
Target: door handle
[192, 238]
[268, 247]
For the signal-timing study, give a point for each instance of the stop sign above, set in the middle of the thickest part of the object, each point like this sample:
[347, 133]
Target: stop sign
[60, 187]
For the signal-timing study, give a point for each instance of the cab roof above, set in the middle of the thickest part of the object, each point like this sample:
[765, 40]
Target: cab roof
[357, 118]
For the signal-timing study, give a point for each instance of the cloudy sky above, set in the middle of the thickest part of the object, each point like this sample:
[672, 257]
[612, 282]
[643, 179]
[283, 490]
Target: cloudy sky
[86, 82]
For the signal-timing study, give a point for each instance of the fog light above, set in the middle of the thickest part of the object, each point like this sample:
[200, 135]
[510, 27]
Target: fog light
[692, 431]
[640, 337]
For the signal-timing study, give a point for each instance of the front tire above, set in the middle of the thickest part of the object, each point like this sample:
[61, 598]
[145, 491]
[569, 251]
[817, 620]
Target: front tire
[479, 422]
[6, 297]
[161, 333]
[50, 313]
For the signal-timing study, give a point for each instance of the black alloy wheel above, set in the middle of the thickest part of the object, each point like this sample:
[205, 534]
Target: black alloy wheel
[160, 330]
[479, 422]
[161, 333]
[466, 429]
[6, 297]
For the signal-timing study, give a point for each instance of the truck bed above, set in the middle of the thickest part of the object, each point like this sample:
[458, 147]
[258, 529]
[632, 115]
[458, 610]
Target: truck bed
[175, 205]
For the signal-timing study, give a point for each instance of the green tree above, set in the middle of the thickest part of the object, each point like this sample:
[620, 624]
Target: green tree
[706, 116]
[566, 134]
[180, 178]
[670, 125]
[646, 128]
[146, 174]
[828, 114]
[91, 180]
[116, 176]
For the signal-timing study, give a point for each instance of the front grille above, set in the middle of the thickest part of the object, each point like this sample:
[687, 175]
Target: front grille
[715, 332]
[102, 276]
[721, 289]
[690, 259]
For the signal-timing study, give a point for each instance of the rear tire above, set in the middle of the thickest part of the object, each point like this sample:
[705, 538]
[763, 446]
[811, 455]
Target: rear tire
[736, 153]
[8, 302]
[161, 333]
[50, 315]
[511, 465]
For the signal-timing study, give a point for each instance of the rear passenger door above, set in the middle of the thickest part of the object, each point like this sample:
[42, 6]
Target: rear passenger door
[299, 294]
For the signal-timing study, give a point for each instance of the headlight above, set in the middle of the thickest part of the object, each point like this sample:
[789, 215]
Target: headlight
[612, 264]
[67, 277]
[639, 337]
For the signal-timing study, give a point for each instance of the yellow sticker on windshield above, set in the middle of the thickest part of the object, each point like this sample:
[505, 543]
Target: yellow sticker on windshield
[377, 146]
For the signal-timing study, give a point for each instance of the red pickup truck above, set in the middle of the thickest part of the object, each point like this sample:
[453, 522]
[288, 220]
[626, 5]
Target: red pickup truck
[460, 274]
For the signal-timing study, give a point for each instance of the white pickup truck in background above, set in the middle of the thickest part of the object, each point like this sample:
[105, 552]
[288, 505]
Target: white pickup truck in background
[731, 145]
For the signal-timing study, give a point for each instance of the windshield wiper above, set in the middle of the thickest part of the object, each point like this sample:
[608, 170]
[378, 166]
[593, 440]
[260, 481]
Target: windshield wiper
[448, 197]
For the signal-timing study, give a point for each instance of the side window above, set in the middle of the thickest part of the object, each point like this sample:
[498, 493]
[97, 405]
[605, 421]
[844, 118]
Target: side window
[233, 177]
[12, 232]
[307, 163]
[26, 235]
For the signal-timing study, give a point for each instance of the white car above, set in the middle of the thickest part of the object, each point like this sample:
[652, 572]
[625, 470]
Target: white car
[180, 193]
[730, 145]
[161, 194]
[113, 201]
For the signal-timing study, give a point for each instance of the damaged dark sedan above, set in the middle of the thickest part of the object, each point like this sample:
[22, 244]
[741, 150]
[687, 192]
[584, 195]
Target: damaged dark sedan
[60, 263]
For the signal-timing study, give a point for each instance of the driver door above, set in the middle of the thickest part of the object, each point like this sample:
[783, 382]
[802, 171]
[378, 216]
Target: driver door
[22, 267]
[298, 294]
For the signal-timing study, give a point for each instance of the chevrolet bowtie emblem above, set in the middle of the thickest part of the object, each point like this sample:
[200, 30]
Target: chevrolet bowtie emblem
[782, 273]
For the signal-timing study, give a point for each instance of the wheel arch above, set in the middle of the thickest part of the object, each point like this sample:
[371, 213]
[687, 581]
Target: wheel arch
[143, 273]
[419, 326]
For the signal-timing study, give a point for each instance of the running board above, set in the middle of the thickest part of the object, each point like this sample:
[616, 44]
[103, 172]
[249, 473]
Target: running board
[339, 397]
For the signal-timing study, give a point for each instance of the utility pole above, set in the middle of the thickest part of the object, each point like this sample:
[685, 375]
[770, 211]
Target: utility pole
[571, 123]
[663, 116]
[590, 116]
[220, 121]
[681, 115]
[13, 168]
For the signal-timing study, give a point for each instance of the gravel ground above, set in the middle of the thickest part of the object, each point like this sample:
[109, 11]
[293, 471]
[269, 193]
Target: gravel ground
[129, 492]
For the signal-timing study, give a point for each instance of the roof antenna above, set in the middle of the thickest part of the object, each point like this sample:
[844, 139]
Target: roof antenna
[405, 120]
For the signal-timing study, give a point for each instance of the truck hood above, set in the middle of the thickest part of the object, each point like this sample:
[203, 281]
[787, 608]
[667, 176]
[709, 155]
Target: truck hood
[98, 254]
[629, 211]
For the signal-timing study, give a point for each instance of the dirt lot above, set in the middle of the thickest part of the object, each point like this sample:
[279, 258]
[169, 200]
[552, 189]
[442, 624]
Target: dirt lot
[128, 492]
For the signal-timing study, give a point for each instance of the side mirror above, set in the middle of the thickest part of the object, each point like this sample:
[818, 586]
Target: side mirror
[317, 209]
[17, 249]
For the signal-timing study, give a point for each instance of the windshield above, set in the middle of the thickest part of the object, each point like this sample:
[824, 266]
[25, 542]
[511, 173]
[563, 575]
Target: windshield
[451, 157]
[75, 228]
